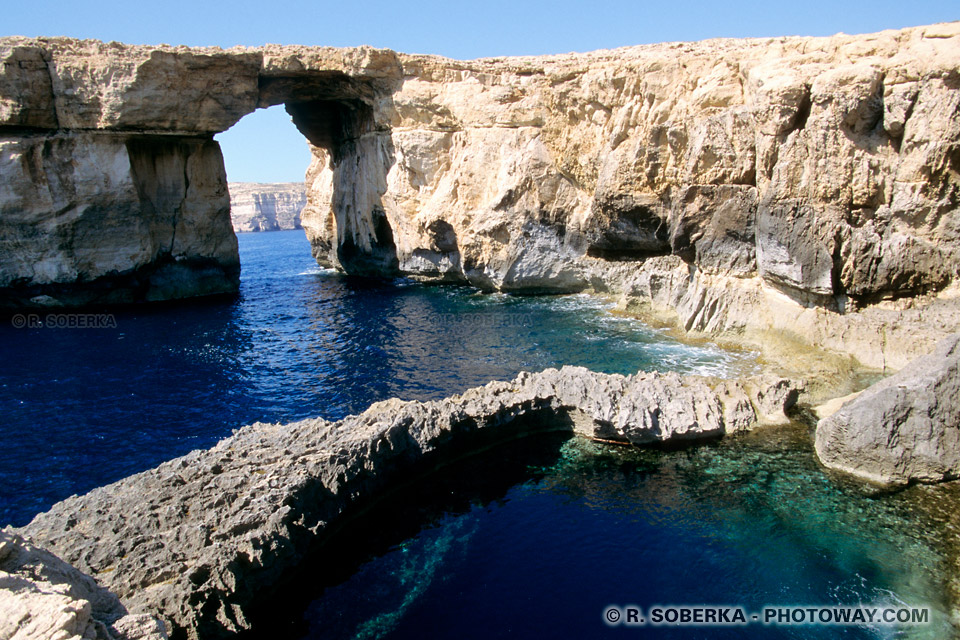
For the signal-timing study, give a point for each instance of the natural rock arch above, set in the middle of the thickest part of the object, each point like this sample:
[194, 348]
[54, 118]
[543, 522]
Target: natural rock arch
[769, 184]
[118, 191]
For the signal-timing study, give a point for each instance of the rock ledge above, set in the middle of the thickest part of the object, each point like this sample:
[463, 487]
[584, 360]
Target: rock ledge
[198, 539]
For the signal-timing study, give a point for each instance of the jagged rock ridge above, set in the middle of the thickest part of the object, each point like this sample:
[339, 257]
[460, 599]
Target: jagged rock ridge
[198, 539]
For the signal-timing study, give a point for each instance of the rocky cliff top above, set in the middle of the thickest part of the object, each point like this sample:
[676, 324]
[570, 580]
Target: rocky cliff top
[247, 188]
[817, 172]
[266, 206]
[50, 83]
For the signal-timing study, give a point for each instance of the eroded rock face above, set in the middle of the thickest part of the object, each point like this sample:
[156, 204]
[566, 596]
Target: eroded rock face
[905, 428]
[112, 189]
[197, 539]
[43, 598]
[134, 218]
[884, 336]
[794, 186]
[821, 169]
[794, 160]
[257, 206]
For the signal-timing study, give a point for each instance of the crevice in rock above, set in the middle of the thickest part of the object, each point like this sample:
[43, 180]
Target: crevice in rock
[836, 271]
[627, 230]
[381, 257]
[803, 112]
[48, 60]
[443, 236]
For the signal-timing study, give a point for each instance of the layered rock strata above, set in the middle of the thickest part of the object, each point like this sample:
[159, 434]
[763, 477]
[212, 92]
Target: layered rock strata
[275, 206]
[903, 429]
[112, 218]
[198, 539]
[802, 177]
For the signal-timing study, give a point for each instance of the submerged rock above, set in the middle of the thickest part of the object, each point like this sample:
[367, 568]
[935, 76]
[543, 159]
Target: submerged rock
[902, 429]
[198, 539]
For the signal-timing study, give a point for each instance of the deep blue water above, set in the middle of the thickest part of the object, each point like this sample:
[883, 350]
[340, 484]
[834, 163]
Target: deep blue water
[750, 521]
[84, 407]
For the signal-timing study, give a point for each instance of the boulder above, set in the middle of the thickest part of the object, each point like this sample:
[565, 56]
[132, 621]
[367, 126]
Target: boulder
[905, 428]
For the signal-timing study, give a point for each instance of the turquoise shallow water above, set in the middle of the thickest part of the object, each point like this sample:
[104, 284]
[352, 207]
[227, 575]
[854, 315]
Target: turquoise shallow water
[751, 521]
[532, 542]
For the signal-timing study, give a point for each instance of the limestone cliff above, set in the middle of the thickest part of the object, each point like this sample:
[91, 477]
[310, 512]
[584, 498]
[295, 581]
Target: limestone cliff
[826, 167]
[256, 206]
[802, 185]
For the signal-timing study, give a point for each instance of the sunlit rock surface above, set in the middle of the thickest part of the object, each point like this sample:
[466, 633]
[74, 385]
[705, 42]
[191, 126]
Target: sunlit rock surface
[44, 598]
[903, 429]
[272, 206]
[786, 174]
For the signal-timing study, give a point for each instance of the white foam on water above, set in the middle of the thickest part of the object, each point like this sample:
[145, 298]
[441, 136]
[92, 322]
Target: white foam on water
[318, 271]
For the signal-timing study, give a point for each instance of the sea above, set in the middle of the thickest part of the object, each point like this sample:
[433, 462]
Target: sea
[541, 538]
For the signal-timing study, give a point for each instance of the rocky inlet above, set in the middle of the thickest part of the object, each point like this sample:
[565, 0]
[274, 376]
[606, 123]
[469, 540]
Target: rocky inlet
[799, 194]
[197, 540]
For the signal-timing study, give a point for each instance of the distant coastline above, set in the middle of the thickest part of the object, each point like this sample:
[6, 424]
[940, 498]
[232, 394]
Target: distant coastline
[266, 206]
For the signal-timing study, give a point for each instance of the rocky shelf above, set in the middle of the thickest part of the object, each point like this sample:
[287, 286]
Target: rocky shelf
[196, 541]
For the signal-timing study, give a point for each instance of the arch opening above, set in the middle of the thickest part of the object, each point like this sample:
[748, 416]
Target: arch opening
[265, 158]
[350, 155]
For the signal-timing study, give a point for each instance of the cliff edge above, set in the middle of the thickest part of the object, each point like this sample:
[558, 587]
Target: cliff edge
[802, 186]
[273, 206]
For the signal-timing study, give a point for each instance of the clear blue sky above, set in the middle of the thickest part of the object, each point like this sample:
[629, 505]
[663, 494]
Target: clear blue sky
[266, 147]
